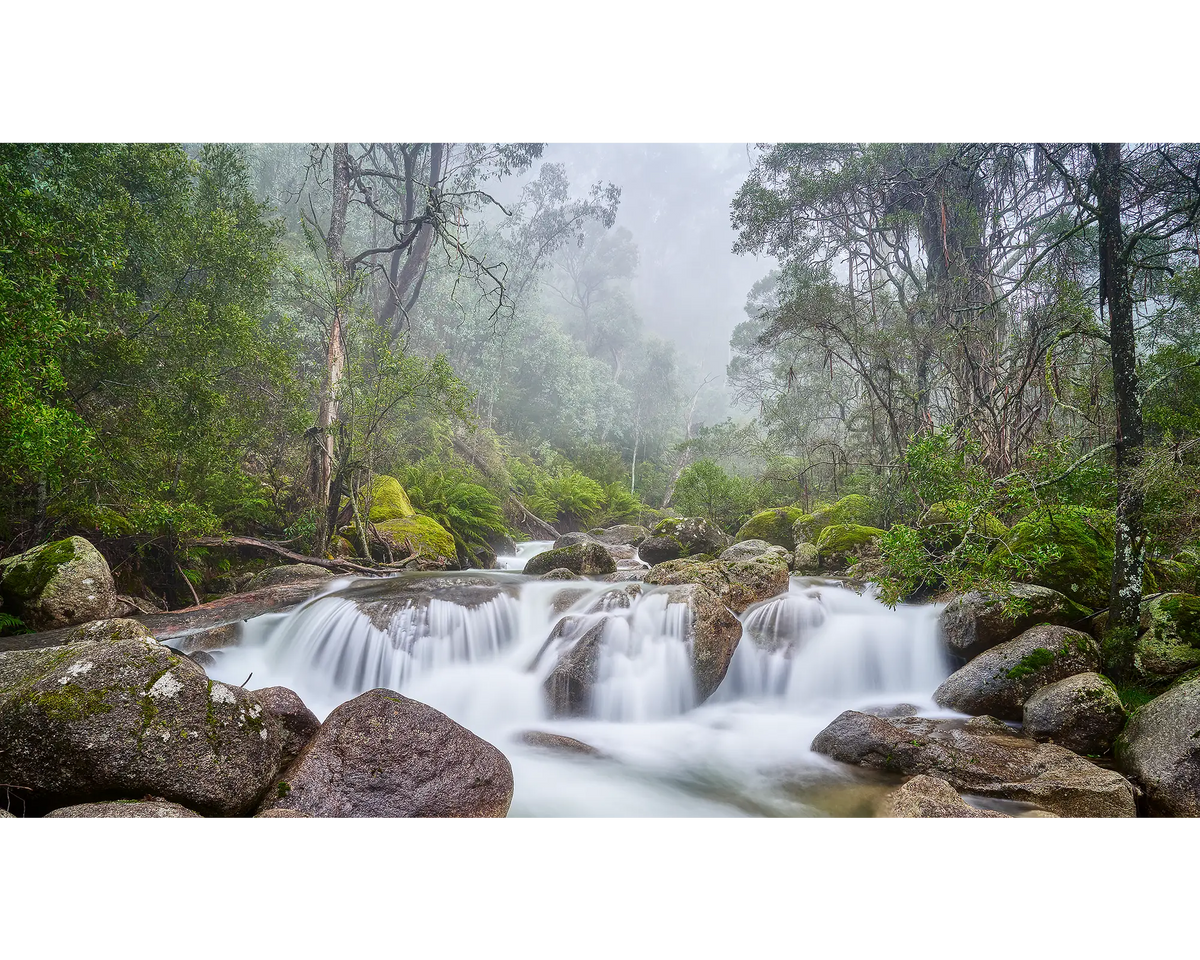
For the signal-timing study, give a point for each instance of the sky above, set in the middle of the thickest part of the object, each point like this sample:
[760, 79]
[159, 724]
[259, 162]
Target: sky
[689, 287]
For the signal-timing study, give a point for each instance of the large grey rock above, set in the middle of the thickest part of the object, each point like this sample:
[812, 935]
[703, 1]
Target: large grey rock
[1082, 713]
[977, 621]
[623, 534]
[571, 539]
[738, 583]
[694, 535]
[569, 686]
[384, 755]
[752, 550]
[1169, 643]
[980, 756]
[58, 584]
[926, 796]
[806, 559]
[288, 574]
[713, 631]
[126, 717]
[1159, 750]
[655, 550]
[1000, 680]
[587, 558]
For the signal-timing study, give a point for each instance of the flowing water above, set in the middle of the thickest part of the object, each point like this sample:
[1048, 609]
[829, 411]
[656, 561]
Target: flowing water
[479, 647]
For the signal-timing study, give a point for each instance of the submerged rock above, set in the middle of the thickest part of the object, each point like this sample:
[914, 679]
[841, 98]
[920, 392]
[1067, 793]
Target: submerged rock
[586, 558]
[926, 796]
[569, 685]
[558, 743]
[1082, 713]
[975, 622]
[152, 809]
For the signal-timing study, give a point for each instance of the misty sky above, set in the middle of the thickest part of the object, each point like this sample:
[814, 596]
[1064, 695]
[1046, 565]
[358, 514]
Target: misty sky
[675, 201]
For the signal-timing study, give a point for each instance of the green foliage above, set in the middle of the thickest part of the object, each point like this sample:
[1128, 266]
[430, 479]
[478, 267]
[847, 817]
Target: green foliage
[466, 508]
[705, 490]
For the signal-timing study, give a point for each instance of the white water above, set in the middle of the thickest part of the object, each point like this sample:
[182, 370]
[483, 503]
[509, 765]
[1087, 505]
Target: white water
[526, 550]
[482, 657]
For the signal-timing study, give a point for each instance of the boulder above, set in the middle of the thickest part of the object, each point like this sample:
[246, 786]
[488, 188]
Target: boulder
[737, 583]
[714, 633]
[1082, 713]
[569, 685]
[773, 526]
[117, 718]
[975, 622]
[926, 796]
[570, 539]
[1159, 750]
[387, 500]
[557, 743]
[842, 543]
[289, 573]
[560, 573]
[656, 550]
[980, 756]
[150, 809]
[694, 535]
[586, 558]
[757, 550]
[384, 755]
[852, 509]
[297, 723]
[58, 584]
[502, 545]
[807, 558]
[1084, 539]
[1000, 680]
[1169, 643]
[282, 812]
[420, 537]
[623, 534]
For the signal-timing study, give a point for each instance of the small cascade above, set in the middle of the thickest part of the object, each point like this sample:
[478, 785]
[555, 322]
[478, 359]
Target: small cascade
[482, 647]
[525, 552]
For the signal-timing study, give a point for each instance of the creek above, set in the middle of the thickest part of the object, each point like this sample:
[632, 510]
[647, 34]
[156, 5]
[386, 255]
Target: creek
[475, 646]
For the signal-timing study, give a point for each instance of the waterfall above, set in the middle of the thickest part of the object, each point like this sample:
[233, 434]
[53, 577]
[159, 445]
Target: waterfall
[481, 646]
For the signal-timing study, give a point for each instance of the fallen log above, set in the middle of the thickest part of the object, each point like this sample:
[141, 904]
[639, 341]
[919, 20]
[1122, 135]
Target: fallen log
[338, 566]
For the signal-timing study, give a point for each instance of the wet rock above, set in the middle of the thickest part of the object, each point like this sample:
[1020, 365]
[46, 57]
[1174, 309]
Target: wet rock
[893, 710]
[627, 576]
[214, 638]
[571, 539]
[807, 558]
[1159, 750]
[558, 743]
[502, 544]
[623, 534]
[126, 717]
[714, 633]
[925, 796]
[1000, 680]
[975, 622]
[384, 755]
[569, 685]
[282, 812]
[982, 757]
[694, 535]
[738, 583]
[297, 723]
[559, 573]
[656, 550]
[1082, 713]
[587, 559]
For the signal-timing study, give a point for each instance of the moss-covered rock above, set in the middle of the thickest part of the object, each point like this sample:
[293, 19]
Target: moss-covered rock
[289, 573]
[943, 524]
[773, 526]
[1159, 750]
[737, 583]
[977, 621]
[1084, 538]
[840, 543]
[806, 559]
[586, 558]
[1083, 713]
[623, 534]
[421, 537]
[999, 681]
[1169, 644]
[388, 500]
[758, 550]
[852, 509]
[58, 584]
[695, 535]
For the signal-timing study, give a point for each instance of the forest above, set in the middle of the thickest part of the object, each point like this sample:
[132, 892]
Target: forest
[215, 340]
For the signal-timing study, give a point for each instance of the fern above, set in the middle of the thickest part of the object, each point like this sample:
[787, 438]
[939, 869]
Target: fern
[470, 512]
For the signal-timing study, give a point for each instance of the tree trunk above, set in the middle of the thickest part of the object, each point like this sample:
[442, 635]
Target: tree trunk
[1125, 594]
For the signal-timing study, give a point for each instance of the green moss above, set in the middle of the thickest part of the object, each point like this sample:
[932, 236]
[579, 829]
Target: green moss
[418, 536]
[1032, 662]
[773, 526]
[841, 538]
[388, 500]
[26, 575]
[282, 789]
[69, 702]
[852, 509]
[1067, 548]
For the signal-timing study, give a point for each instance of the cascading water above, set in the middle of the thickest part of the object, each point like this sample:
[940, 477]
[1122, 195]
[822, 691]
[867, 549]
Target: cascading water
[481, 646]
[525, 551]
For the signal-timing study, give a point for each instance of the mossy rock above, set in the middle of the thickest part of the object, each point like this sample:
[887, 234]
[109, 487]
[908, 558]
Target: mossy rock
[806, 559]
[1085, 539]
[586, 559]
[738, 583]
[1169, 644]
[342, 548]
[58, 584]
[841, 541]
[943, 524]
[851, 509]
[773, 526]
[388, 500]
[695, 535]
[421, 537]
